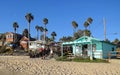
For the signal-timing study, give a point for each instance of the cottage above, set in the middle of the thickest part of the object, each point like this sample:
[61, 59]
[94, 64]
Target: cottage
[89, 46]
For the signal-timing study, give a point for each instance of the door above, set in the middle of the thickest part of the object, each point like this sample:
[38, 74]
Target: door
[85, 50]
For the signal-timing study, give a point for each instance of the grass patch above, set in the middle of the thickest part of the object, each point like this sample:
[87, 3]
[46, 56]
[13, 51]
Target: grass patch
[81, 59]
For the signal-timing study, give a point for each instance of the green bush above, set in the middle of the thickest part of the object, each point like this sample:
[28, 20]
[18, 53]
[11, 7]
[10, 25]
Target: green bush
[3, 49]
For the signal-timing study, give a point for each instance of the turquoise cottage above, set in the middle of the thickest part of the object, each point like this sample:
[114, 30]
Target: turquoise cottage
[89, 46]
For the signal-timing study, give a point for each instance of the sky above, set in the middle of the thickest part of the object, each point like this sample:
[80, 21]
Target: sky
[60, 14]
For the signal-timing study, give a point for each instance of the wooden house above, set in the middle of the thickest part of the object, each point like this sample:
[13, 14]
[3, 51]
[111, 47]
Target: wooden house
[88, 46]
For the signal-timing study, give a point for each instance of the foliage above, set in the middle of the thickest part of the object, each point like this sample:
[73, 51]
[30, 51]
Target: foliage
[45, 21]
[66, 39]
[15, 26]
[64, 58]
[53, 34]
[74, 24]
[87, 33]
[2, 49]
[81, 59]
[116, 41]
[88, 22]
[29, 17]
[25, 32]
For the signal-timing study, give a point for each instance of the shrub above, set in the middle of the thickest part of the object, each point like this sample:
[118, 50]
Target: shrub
[3, 49]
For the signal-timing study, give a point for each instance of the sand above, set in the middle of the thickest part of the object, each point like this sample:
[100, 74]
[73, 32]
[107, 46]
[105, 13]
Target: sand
[23, 65]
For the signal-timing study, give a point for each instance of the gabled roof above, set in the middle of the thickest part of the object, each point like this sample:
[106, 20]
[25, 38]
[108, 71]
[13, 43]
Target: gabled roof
[83, 39]
[86, 39]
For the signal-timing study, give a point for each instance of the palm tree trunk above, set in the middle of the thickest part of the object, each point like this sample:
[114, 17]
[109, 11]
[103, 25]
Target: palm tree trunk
[45, 34]
[37, 34]
[28, 34]
[14, 35]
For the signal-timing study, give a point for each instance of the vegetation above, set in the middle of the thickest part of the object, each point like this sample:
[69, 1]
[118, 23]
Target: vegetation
[53, 34]
[29, 17]
[37, 28]
[80, 59]
[45, 21]
[15, 26]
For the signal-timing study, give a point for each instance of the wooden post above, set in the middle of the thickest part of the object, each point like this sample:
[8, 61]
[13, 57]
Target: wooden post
[109, 56]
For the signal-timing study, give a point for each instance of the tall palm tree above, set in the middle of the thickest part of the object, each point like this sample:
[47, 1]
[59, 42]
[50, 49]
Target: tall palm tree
[37, 28]
[29, 17]
[25, 33]
[86, 24]
[15, 26]
[89, 20]
[75, 25]
[45, 21]
[53, 34]
[41, 30]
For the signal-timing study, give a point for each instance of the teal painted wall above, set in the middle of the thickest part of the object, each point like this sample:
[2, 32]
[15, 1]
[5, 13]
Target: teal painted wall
[107, 48]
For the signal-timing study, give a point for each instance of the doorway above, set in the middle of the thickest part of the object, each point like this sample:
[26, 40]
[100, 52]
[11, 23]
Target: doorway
[85, 50]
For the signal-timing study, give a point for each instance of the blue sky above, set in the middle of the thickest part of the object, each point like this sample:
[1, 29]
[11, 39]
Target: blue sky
[60, 14]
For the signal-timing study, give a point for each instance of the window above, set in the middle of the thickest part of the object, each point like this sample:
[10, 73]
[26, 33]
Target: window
[94, 47]
[113, 49]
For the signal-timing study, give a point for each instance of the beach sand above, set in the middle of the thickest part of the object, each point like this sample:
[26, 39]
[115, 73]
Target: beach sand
[23, 65]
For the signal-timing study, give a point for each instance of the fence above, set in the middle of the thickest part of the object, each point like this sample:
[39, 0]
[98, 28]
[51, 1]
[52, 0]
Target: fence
[115, 54]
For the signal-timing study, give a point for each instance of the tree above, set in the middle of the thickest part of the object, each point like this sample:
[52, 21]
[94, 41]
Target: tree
[116, 41]
[41, 30]
[45, 21]
[29, 17]
[66, 39]
[15, 26]
[3, 39]
[75, 25]
[89, 20]
[87, 33]
[53, 34]
[37, 28]
[86, 24]
[25, 33]
[78, 34]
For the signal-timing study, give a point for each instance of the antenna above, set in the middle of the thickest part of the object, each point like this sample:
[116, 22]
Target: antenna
[104, 21]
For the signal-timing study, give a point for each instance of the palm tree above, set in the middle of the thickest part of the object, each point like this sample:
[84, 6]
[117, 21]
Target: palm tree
[15, 26]
[29, 17]
[89, 20]
[25, 33]
[87, 33]
[86, 24]
[53, 34]
[45, 21]
[37, 28]
[41, 30]
[75, 25]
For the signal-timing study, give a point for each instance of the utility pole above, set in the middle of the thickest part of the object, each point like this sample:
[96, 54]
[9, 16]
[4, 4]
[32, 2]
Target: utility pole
[104, 21]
